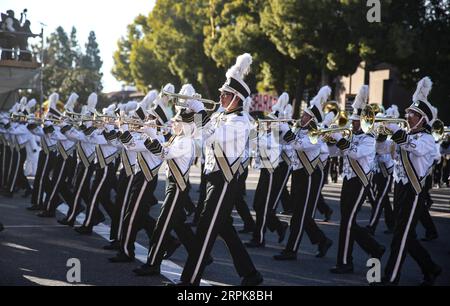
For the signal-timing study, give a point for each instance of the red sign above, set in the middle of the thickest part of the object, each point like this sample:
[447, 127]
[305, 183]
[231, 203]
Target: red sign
[263, 102]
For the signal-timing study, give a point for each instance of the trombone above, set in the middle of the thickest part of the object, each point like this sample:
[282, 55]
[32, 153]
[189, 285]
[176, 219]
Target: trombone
[210, 105]
[265, 123]
[369, 119]
[135, 125]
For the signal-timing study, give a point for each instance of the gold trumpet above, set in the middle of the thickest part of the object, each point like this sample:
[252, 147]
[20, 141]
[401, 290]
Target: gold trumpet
[314, 133]
[369, 118]
[210, 105]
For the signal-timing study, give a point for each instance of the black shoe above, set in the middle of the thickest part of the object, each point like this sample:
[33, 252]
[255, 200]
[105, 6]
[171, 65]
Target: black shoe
[1, 227]
[328, 215]
[66, 222]
[430, 278]
[286, 255]
[282, 232]
[247, 230]
[147, 270]
[342, 269]
[33, 208]
[255, 244]
[430, 237]
[253, 279]
[83, 230]
[171, 249]
[379, 253]
[120, 258]
[113, 246]
[46, 214]
[323, 248]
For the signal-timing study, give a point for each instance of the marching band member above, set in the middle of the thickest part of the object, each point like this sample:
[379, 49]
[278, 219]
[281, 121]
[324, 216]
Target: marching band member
[22, 137]
[275, 170]
[414, 157]
[142, 196]
[358, 155]
[382, 178]
[126, 176]
[65, 162]
[305, 179]
[179, 153]
[225, 145]
[86, 163]
[104, 171]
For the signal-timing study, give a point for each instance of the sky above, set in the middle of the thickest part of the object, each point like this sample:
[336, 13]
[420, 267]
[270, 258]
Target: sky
[108, 18]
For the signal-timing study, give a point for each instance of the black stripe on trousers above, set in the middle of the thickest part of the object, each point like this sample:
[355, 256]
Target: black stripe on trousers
[137, 216]
[216, 220]
[352, 197]
[172, 216]
[405, 238]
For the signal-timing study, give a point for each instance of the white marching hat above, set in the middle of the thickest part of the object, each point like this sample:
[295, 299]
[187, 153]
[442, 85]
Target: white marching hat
[235, 77]
[420, 100]
[360, 102]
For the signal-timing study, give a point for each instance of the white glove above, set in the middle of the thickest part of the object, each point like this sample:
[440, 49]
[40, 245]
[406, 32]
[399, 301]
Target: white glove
[195, 105]
[336, 136]
[393, 127]
[124, 127]
[150, 131]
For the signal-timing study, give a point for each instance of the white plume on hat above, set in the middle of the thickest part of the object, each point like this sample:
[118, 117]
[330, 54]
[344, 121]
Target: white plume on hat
[109, 111]
[247, 104]
[322, 96]
[53, 99]
[393, 112]
[148, 100]
[288, 112]
[23, 103]
[328, 119]
[92, 102]
[241, 68]
[130, 106]
[361, 98]
[423, 89]
[70, 104]
[84, 110]
[30, 105]
[282, 101]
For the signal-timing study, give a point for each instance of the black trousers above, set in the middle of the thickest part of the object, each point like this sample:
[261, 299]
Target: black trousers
[267, 195]
[305, 189]
[425, 218]
[137, 215]
[322, 206]
[17, 177]
[45, 166]
[171, 217]
[11, 153]
[3, 148]
[382, 202]
[352, 198]
[58, 190]
[286, 201]
[411, 207]
[241, 204]
[100, 193]
[81, 190]
[202, 196]
[216, 220]
[120, 205]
